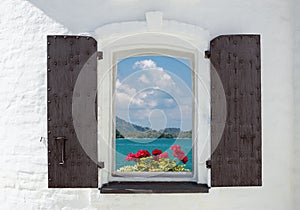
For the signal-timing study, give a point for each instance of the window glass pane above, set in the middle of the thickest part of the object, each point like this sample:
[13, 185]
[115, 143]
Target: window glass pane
[154, 106]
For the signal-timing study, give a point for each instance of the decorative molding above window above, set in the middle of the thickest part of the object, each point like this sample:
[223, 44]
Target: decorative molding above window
[193, 35]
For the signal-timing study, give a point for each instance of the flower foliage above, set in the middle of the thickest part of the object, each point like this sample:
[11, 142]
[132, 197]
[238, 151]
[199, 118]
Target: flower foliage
[158, 162]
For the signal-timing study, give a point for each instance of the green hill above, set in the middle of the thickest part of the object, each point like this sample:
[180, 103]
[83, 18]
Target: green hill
[125, 129]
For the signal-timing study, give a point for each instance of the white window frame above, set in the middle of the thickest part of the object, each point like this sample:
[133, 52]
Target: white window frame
[144, 51]
[156, 36]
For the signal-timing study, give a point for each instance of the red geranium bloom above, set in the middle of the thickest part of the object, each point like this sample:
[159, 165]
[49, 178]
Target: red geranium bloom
[185, 159]
[130, 157]
[164, 155]
[179, 154]
[142, 153]
[175, 147]
[156, 152]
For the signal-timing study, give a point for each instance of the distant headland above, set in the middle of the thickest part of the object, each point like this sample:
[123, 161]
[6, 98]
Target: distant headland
[126, 129]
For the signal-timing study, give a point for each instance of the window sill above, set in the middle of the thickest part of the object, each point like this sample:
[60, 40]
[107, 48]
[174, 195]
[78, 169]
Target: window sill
[153, 187]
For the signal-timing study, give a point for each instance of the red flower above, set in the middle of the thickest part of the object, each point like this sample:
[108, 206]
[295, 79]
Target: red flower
[185, 159]
[142, 153]
[179, 154]
[164, 155]
[156, 152]
[175, 147]
[130, 157]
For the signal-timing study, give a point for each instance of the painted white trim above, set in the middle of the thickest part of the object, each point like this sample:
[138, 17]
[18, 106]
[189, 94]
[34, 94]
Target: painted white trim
[165, 35]
[152, 176]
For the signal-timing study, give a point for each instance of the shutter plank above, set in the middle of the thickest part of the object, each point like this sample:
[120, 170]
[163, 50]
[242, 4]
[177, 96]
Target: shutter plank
[67, 57]
[236, 150]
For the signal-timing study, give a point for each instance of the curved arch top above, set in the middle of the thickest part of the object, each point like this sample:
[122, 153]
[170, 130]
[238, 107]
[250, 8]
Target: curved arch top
[154, 30]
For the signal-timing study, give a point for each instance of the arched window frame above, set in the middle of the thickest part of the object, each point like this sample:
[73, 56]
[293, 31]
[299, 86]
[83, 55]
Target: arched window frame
[153, 35]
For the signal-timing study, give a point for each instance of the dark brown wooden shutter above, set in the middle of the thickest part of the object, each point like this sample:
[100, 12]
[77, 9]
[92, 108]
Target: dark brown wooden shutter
[72, 130]
[236, 111]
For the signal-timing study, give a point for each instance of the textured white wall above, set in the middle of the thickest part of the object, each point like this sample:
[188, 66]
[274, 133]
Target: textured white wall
[23, 159]
[296, 151]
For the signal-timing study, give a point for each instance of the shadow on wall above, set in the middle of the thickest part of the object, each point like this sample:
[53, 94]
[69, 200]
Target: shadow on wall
[85, 16]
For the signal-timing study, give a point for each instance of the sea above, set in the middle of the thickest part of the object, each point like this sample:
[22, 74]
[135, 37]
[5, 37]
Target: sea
[125, 146]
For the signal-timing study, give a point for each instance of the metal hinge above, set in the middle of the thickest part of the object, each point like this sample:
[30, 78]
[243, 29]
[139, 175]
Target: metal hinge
[99, 55]
[208, 164]
[207, 54]
[100, 164]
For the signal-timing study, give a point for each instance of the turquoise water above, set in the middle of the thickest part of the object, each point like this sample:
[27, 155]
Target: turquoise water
[125, 146]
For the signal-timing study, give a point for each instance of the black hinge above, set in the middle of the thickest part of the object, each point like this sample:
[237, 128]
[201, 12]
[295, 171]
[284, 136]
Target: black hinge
[207, 54]
[100, 164]
[208, 164]
[99, 55]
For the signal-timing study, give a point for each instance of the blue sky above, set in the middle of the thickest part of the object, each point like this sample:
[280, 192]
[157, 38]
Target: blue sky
[155, 91]
[178, 66]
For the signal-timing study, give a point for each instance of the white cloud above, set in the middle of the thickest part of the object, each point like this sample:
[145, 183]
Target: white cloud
[123, 100]
[143, 95]
[125, 88]
[169, 101]
[118, 84]
[145, 64]
[152, 88]
[152, 103]
[125, 95]
[144, 79]
[158, 76]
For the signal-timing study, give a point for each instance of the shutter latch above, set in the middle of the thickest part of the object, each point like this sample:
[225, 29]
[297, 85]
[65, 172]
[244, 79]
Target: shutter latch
[207, 54]
[99, 55]
[208, 164]
[100, 164]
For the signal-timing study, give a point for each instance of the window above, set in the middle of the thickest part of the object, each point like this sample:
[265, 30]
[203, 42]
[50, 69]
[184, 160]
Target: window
[154, 105]
[137, 73]
[226, 116]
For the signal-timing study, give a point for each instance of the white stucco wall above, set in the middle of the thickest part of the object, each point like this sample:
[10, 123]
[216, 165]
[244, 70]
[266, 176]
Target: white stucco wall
[296, 151]
[23, 158]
